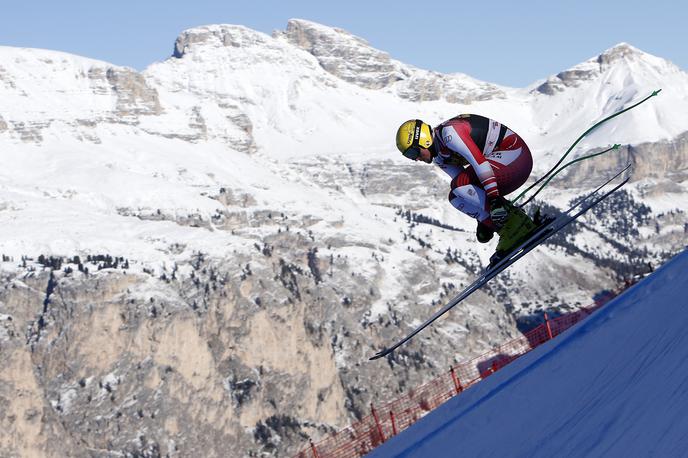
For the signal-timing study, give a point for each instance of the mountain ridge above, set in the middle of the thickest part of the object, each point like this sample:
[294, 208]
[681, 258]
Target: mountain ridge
[389, 78]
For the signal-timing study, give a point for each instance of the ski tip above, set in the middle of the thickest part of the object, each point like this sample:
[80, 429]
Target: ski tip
[628, 170]
[379, 354]
[656, 92]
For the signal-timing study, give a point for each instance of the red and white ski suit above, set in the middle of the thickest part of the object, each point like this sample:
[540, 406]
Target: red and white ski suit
[484, 159]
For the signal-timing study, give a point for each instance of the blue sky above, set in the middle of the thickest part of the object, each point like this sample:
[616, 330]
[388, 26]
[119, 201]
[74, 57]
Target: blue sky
[506, 42]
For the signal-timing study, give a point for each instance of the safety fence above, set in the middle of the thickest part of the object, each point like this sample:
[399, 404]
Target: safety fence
[388, 419]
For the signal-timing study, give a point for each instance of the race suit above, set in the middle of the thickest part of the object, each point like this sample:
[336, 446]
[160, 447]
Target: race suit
[484, 159]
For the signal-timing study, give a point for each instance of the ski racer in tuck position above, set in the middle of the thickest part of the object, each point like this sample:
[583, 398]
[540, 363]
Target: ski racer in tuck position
[485, 161]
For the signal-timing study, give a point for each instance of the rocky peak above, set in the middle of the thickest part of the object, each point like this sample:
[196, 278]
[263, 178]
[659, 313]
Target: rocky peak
[625, 54]
[216, 36]
[622, 54]
[315, 38]
[619, 52]
[352, 59]
[344, 55]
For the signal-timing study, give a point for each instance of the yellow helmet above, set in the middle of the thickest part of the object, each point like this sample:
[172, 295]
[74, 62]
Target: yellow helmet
[413, 135]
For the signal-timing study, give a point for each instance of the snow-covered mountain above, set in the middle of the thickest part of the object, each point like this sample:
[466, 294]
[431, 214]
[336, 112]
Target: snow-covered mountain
[250, 195]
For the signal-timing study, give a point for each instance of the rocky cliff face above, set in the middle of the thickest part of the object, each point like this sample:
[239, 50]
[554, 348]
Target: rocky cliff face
[344, 55]
[134, 97]
[259, 352]
[114, 362]
[86, 93]
[663, 161]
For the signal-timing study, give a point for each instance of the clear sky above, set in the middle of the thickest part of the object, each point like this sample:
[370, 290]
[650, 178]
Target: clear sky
[513, 43]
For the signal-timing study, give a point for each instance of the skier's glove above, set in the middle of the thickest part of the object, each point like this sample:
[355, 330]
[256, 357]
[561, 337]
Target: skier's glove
[499, 211]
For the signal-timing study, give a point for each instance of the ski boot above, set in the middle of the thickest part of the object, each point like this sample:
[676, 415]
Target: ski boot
[484, 233]
[517, 228]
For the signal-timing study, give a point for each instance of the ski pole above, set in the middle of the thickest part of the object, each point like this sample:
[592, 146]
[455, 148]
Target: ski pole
[614, 147]
[654, 93]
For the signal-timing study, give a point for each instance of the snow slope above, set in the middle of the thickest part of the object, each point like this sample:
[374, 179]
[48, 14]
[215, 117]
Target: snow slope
[615, 385]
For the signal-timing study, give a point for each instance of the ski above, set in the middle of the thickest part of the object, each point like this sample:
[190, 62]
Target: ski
[542, 234]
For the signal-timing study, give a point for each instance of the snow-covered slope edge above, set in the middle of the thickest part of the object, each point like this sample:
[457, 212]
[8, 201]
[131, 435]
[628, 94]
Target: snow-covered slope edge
[610, 386]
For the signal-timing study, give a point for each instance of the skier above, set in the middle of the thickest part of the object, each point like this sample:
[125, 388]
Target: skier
[485, 161]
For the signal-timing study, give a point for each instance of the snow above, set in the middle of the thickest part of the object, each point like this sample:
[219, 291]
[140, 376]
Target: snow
[614, 385]
[281, 135]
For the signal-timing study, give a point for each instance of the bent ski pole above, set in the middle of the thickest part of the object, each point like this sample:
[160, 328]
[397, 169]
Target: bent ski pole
[654, 93]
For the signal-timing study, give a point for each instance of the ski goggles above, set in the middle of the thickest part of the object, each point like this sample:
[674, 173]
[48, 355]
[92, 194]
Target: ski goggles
[412, 152]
